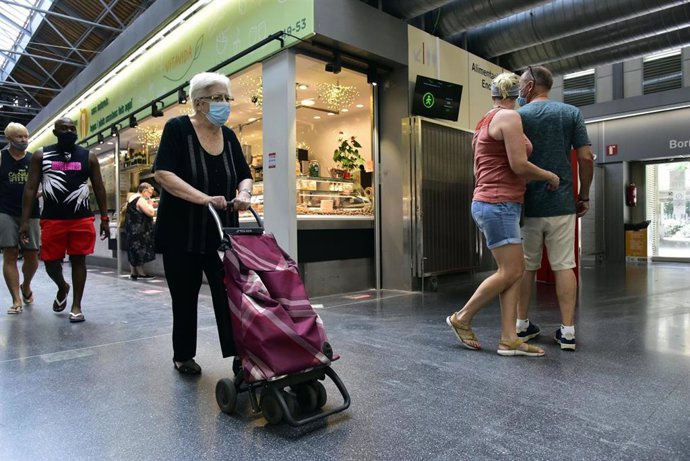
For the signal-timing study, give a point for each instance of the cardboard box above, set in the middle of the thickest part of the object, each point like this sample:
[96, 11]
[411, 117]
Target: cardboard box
[636, 244]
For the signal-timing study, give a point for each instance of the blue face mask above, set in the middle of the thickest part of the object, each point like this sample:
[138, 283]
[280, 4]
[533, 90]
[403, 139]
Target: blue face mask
[522, 101]
[19, 145]
[218, 113]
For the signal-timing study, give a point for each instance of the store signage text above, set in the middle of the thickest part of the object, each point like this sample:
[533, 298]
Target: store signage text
[186, 55]
[119, 111]
[678, 143]
[484, 73]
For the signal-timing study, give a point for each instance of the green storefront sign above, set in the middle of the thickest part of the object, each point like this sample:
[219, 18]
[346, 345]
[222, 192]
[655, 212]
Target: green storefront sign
[220, 30]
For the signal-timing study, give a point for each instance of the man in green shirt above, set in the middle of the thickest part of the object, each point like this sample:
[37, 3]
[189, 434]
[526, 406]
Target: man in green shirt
[551, 215]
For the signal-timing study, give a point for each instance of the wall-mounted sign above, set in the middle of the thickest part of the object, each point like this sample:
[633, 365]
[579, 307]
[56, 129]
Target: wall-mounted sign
[611, 149]
[436, 98]
[271, 160]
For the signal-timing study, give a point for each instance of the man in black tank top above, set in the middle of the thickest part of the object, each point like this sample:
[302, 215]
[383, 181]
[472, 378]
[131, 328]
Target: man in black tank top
[66, 220]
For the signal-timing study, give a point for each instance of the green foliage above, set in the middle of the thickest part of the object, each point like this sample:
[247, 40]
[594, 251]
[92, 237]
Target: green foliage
[347, 154]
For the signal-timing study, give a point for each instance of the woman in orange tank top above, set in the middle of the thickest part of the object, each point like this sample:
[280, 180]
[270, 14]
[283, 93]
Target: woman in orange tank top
[501, 169]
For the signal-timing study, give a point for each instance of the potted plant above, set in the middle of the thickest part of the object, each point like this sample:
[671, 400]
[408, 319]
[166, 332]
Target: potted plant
[347, 156]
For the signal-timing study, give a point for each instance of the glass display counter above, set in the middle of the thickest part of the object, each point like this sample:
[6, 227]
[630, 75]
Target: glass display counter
[319, 196]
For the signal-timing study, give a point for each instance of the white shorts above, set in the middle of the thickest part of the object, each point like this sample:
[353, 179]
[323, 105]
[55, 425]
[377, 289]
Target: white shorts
[557, 233]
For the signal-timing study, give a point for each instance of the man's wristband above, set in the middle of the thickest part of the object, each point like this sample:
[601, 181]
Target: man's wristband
[105, 218]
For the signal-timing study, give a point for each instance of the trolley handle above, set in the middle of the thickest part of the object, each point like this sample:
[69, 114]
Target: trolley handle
[240, 230]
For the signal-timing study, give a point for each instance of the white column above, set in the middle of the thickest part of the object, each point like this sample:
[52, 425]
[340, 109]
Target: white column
[279, 145]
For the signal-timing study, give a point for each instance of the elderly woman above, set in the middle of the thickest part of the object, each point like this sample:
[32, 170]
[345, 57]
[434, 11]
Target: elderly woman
[139, 231]
[199, 162]
[501, 169]
[14, 172]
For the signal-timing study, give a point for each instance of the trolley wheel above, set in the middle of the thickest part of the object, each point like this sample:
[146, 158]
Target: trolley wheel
[271, 408]
[290, 401]
[306, 397]
[320, 392]
[226, 395]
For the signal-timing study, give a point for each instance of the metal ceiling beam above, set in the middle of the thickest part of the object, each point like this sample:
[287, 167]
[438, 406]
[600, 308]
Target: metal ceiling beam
[618, 53]
[408, 9]
[25, 85]
[461, 15]
[69, 45]
[109, 9]
[38, 56]
[665, 21]
[63, 16]
[21, 28]
[23, 88]
[556, 20]
[38, 76]
[86, 34]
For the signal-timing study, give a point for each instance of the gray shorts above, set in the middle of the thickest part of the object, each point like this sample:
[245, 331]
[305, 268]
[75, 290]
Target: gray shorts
[9, 233]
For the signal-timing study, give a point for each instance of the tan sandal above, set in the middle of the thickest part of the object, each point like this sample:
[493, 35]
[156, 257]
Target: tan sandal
[515, 348]
[464, 333]
[15, 310]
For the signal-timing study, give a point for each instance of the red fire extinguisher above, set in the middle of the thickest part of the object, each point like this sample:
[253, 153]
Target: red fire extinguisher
[631, 194]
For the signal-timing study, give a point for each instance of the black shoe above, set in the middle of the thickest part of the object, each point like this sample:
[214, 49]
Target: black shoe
[566, 344]
[531, 332]
[188, 367]
[146, 276]
[133, 276]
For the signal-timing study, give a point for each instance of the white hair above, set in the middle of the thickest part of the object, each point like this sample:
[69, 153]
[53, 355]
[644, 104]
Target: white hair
[14, 128]
[200, 82]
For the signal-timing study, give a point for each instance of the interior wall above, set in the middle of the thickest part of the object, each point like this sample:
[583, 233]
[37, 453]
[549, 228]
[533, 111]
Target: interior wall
[396, 269]
[322, 137]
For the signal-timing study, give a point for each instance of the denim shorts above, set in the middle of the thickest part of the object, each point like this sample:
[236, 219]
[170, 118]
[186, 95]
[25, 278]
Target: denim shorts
[500, 222]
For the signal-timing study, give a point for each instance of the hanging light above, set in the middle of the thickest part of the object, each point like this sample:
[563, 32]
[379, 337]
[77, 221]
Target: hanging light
[113, 130]
[337, 96]
[133, 121]
[100, 138]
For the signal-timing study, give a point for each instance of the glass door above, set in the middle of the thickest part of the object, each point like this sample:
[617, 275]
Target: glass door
[668, 208]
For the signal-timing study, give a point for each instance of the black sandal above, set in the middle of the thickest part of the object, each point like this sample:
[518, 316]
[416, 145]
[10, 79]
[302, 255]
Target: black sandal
[188, 367]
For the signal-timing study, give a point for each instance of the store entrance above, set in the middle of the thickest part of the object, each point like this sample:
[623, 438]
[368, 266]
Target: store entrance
[668, 209]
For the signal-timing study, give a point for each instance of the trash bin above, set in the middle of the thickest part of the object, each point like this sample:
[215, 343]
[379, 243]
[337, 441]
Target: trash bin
[636, 241]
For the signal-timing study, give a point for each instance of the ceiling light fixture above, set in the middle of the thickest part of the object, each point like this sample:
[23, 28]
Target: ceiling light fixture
[100, 138]
[113, 130]
[337, 96]
[133, 121]
[372, 75]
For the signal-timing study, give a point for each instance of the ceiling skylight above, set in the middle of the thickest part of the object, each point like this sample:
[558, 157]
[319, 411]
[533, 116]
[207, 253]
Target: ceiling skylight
[17, 25]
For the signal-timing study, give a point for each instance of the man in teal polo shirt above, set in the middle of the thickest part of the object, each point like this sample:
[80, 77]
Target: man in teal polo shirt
[551, 215]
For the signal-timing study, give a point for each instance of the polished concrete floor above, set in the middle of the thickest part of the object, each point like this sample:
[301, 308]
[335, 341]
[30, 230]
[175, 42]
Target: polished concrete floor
[106, 389]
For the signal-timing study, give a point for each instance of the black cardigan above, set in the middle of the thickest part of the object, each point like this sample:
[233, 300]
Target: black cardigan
[184, 226]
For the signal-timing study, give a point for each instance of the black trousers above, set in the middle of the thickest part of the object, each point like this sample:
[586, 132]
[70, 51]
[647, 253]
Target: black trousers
[183, 273]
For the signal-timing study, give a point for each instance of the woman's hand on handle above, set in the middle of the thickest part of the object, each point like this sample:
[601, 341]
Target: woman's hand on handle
[242, 202]
[218, 202]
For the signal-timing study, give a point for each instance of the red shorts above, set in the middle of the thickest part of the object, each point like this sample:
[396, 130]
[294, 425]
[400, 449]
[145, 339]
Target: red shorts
[72, 236]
